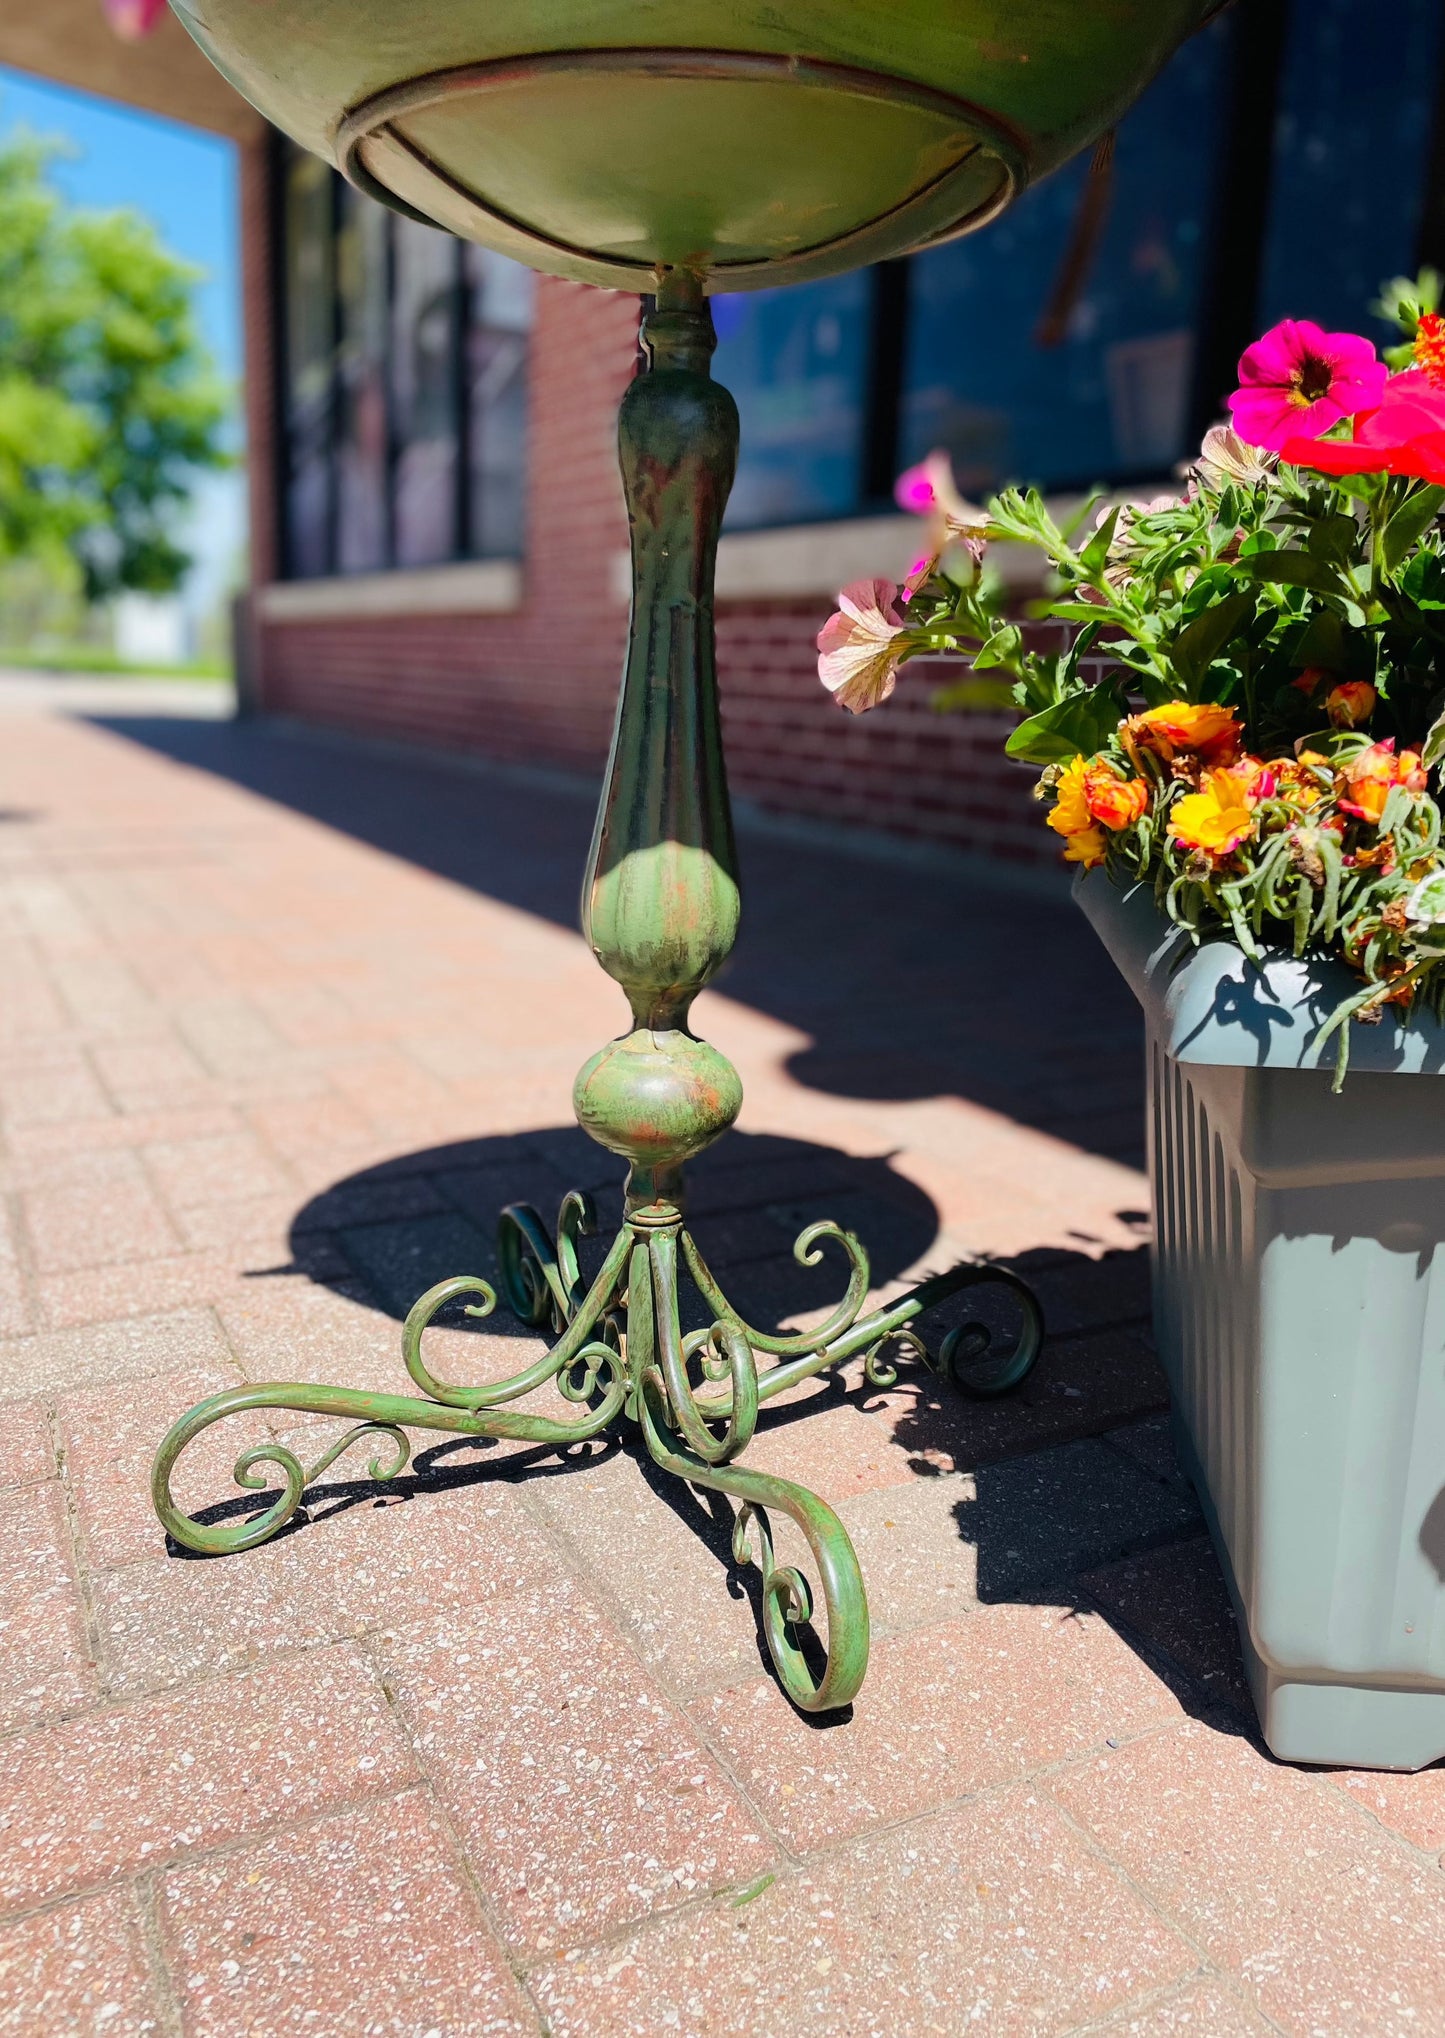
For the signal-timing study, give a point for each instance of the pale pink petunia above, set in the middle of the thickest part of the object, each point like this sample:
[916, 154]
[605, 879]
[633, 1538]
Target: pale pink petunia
[1224, 457]
[860, 645]
[1297, 381]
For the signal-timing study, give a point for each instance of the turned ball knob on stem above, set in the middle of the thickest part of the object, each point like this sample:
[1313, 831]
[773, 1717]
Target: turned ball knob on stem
[660, 896]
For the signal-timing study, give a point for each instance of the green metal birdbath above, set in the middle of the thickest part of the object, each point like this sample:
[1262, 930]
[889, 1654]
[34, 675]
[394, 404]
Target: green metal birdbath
[674, 147]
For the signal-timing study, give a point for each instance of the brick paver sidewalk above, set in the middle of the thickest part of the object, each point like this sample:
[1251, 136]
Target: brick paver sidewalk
[493, 1749]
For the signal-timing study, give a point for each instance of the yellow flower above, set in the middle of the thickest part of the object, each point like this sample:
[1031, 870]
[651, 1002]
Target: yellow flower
[1071, 814]
[1086, 847]
[1218, 817]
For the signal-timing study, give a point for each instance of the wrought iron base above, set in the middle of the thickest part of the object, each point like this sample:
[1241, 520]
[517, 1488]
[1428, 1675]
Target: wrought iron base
[621, 1350]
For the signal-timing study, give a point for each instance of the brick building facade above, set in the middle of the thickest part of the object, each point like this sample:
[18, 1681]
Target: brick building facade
[1261, 176]
[531, 679]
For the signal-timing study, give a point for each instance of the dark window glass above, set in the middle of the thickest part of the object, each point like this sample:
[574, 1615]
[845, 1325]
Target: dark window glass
[310, 346]
[1112, 400]
[1356, 97]
[499, 319]
[424, 393]
[797, 362]
[361, 406]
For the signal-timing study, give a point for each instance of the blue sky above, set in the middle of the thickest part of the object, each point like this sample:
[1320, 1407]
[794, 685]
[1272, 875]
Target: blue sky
[185, 182]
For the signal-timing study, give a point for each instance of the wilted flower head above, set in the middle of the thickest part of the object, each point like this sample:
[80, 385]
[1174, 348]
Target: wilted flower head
[1350, 703]
[1297, 381]
[861, 644]
[1224, 458]
[1372, 775]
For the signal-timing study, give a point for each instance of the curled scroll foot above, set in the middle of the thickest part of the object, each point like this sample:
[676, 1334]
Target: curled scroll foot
[619, 1349]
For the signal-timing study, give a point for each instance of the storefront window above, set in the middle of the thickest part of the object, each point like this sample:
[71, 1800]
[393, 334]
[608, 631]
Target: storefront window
[1277, 167]
[310, 355]
[1355, 112]
[361, 420]
[499, 298]
[405, 386]
[1111, 398]
[797, 361]
[425, 393]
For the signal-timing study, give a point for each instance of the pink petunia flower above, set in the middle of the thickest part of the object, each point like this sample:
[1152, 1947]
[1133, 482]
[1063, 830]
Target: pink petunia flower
[928, 490]
[1405, 435]
[861, 644]
[1298, 381]
[132, 19]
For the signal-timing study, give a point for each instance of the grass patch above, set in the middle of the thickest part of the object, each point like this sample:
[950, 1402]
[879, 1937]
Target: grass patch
[104, 664]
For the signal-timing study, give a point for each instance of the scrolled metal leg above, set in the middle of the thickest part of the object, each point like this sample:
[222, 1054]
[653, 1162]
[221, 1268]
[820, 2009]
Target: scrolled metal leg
[787, 1597]
[660, 912]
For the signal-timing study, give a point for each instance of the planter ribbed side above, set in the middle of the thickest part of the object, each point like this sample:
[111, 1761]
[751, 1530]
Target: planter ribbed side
[1299, 1311]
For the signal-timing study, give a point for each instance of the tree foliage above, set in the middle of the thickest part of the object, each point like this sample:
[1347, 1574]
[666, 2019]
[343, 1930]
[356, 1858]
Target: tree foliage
[109, 404]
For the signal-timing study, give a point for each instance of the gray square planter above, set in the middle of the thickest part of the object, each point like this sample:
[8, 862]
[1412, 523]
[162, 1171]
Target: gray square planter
[1301, 1323]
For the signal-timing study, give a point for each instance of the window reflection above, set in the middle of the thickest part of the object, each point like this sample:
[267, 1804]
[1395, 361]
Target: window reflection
[424, 393]
[361, 422]
[310, 345]
[499, 319]
[1113, 398]
[1351, 137]
[797, 362]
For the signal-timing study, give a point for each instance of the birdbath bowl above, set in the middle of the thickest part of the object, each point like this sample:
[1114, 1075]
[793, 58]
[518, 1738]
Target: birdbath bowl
[673, 147]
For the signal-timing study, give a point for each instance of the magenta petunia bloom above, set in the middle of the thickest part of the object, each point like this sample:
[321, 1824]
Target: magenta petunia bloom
[1298, 381]
[132, 19]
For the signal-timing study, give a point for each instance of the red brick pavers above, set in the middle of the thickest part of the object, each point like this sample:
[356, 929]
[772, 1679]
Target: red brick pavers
[492, 1748]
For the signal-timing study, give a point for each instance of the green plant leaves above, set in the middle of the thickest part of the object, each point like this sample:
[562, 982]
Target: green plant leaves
[1081, 722]
[1201, 641]
[1294, 569]
[1409, 524]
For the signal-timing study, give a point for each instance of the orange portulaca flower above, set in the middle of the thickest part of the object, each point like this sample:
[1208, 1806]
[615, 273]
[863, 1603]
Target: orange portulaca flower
[1295, 782]
[861, 644]
[1351, 703]
[1370, 777]
[1202, 727]
[1116, 802]
[1220, 815]
[1090, 795]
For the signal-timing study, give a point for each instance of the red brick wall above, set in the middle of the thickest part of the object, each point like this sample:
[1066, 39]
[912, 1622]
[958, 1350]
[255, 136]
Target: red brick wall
[537, 686]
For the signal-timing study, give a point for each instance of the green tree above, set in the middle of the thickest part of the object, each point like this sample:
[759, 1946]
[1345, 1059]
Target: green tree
[109, 404]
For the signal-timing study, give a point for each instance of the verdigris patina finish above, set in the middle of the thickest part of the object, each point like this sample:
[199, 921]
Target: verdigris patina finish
[753, 142]
[660, 909]
[674, 146]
